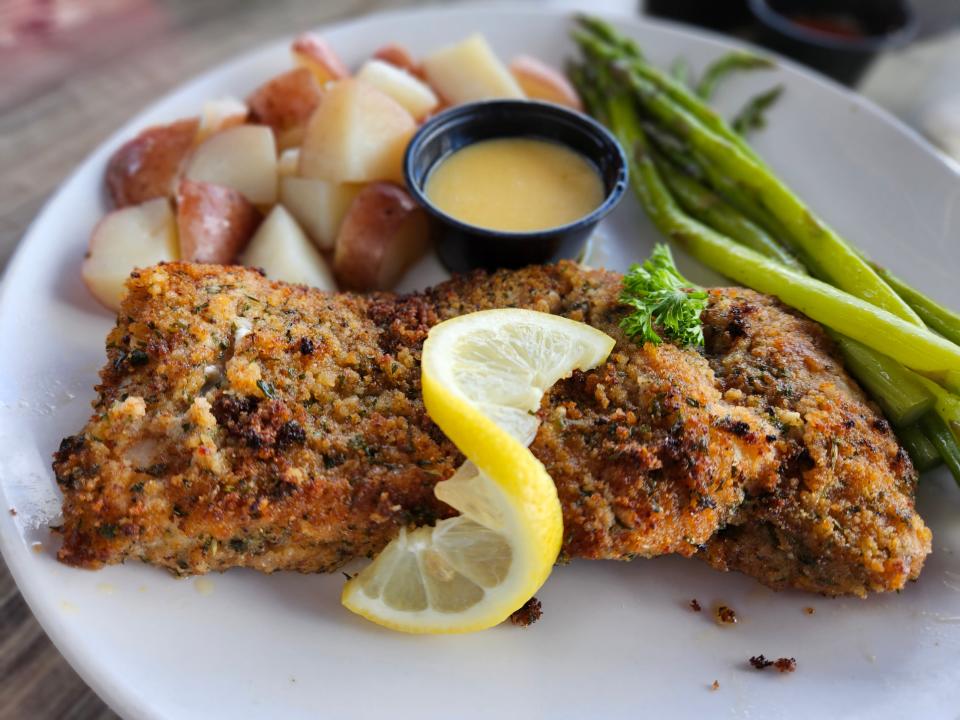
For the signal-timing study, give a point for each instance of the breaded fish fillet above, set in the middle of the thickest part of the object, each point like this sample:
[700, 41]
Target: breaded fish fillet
[241, 422]
[841, 517]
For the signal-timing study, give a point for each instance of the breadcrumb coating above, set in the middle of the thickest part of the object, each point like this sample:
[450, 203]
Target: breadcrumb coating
[243, 422]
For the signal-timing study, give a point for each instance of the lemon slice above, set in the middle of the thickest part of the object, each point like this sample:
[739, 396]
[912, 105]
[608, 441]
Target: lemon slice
[483, 377]
[503, 361]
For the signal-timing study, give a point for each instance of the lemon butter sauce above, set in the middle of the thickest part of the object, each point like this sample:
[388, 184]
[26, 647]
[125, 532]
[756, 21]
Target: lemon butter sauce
[515, 184]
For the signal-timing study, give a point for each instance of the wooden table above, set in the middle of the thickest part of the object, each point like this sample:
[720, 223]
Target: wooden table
[67, 91]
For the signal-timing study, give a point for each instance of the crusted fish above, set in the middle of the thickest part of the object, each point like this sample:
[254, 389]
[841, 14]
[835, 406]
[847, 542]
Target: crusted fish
[244, 422]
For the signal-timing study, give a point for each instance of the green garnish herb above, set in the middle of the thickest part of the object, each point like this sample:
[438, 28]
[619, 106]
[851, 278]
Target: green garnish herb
[266, 388]
[659, 294]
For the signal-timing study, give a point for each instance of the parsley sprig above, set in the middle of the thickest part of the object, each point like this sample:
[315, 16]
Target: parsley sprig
[660, 295]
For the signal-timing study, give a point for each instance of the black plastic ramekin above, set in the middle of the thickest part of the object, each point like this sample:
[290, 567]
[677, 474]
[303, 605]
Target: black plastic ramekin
[879, 25]
[464, 247]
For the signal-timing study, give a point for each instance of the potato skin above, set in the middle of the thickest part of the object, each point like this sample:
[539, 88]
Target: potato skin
[221, 114]
[285, 103]
[383, 232]
[215, 223]
[314, 53]
[399, 56]
[542, 82]
[148, 166]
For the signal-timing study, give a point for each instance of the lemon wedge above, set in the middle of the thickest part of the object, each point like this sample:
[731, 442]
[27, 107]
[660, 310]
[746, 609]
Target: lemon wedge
[483, 376]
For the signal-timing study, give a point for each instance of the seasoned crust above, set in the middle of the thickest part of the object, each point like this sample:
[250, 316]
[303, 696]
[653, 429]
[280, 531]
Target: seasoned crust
[841, 518]
[640, 448]
[248, 451]
[245, 422]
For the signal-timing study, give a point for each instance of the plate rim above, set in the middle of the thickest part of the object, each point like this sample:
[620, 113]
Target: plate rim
[123, 698]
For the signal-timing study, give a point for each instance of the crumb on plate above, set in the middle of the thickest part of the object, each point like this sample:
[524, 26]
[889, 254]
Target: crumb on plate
[783, 664]
[726, 615]
[527, 615]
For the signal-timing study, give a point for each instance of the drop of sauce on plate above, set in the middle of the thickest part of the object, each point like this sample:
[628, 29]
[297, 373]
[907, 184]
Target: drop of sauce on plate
[204, 586]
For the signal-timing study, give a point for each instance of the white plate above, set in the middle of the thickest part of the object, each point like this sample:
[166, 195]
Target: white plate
[617, 640]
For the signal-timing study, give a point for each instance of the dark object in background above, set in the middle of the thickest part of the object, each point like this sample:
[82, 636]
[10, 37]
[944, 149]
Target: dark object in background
[838, 37]
[722, 15]
[462, 246]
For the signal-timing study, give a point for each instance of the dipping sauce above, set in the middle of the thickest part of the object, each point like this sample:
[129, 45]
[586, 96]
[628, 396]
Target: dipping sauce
[837, 25]
[515, 185]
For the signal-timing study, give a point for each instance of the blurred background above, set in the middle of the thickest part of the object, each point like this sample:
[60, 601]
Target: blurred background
[72, 71]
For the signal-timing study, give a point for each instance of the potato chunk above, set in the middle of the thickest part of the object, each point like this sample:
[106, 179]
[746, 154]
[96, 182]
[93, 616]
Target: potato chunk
[126, 239]
[470, 71]
[285, 103]
[358, 134]
[243, 158]
[383, 233]
[283, 252]
[149, 165]
[214, 223]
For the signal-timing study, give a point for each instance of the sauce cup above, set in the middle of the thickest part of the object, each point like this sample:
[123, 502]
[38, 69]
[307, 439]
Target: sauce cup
[841, 38]
[462, 246]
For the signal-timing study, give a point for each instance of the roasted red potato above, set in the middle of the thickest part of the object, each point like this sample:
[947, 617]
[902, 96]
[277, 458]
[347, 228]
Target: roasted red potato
[132, 237]
[221, 114]
[542, 82]
[359, 133]
[285, 103]
[400, 57]
[383, 233]
[214, 222]
[313, 53]
[243, 157]
[149, 166]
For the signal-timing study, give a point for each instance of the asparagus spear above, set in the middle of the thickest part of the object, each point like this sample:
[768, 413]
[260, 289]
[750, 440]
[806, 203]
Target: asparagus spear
[680, 155]
[913, 346]
[680, 71]
[752, 116]
[727, 64]
[895, 389]
[608, 35]
[946, 405]
[902, 398]
[710, 209]
[941, 319]
[936, 316]
[830, 255]
[601, 41]
[921, 450]
[834, 258]
[943, 440]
